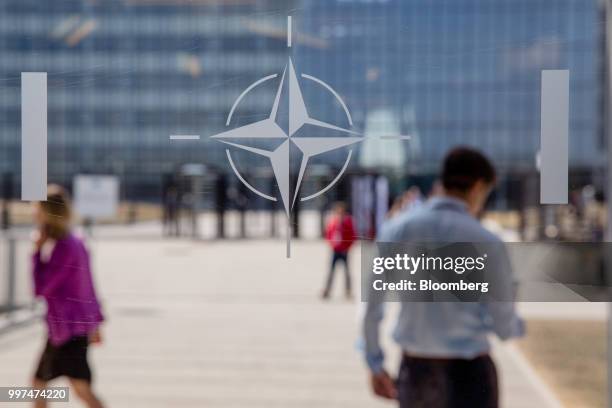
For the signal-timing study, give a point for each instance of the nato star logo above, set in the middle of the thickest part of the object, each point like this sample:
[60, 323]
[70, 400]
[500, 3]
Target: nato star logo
[248, 137]
[298, 118]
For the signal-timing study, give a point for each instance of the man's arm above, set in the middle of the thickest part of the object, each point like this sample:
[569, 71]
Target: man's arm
[380, 382]
[373, 353]
[505, 321]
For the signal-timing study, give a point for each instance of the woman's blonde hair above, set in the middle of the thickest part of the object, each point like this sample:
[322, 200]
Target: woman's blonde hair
[57, 212]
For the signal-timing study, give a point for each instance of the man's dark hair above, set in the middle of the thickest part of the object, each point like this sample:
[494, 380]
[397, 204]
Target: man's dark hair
[463, 167]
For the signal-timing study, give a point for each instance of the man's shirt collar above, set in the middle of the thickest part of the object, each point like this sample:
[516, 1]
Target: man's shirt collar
[448, 203]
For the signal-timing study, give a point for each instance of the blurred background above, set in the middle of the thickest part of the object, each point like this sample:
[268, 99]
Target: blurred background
[125, 75]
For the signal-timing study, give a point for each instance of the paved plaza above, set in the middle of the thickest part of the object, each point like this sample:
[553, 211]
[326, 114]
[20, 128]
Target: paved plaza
[230, 324]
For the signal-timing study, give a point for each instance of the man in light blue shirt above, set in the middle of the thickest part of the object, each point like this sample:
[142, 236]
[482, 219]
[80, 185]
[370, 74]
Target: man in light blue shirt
[446, 360]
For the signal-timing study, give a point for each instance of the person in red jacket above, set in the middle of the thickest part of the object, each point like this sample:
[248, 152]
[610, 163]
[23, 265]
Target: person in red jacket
[340, 233]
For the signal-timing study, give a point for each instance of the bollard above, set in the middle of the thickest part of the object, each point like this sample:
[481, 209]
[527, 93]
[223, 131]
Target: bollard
[11, 274]
[7, 195]
[272, 208]
[220, 205]
[295, 219]
[195, 197]
[5, 218]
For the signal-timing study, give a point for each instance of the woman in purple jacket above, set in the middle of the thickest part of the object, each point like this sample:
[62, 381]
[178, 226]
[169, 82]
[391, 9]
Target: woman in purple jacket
[63, 278]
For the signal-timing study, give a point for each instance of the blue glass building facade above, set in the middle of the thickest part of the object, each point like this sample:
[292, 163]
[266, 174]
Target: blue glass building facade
[124, 75]
[462, 71]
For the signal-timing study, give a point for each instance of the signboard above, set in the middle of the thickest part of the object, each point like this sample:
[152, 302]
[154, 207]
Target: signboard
[96, 196]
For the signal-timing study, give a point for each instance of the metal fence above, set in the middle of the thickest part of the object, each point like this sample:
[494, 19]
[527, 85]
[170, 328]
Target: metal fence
[15, 282]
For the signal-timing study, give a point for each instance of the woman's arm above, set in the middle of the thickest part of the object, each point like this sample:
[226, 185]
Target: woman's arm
[37, 272]
[59, 268]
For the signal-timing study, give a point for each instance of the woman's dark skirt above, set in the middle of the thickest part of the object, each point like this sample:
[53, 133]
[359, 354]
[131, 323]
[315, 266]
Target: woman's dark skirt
[66, 360]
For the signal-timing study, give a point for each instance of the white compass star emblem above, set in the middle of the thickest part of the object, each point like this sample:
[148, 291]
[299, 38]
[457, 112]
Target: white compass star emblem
[269, 129]
[298, 118]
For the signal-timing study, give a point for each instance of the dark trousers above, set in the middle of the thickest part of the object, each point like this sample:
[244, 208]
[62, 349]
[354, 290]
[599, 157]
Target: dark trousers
[447, 383]
[171, 222]
[339, 257]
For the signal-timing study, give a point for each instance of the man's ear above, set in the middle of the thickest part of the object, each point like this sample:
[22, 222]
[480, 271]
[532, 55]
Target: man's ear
[477, 196]
[482, 187]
